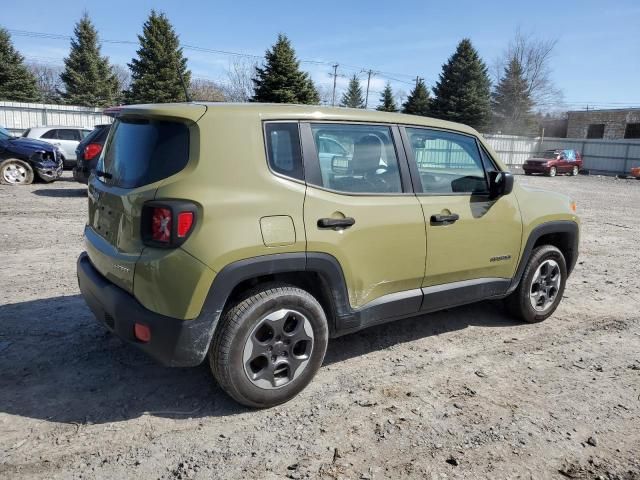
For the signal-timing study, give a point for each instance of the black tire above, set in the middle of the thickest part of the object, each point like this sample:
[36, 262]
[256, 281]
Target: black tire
[527, 173]
[519, 304]
[240, 322]
[25, 179]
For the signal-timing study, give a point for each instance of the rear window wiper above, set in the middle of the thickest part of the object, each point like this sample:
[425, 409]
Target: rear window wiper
[106, 175]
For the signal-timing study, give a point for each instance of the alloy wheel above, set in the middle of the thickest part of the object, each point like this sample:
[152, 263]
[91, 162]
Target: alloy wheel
[278, 349]
[545, 285]
[14, 173]
[552, 172]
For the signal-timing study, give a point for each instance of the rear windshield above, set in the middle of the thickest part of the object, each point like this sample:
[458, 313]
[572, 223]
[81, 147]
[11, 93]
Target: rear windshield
[143, 151]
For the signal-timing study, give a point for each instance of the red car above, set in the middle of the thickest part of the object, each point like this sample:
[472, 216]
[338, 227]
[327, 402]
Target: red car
[552, 162]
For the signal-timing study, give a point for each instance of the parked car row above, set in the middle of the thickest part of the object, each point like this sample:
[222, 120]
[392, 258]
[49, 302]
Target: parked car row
[41, 153]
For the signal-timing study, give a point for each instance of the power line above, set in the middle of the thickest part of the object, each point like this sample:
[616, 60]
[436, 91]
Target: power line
[57, 36]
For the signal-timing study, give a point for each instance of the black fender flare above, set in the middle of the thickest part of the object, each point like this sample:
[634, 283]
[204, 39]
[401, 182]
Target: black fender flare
[229, 277]
[568, 227]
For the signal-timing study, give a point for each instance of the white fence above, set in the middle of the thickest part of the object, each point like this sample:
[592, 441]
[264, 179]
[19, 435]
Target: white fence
[605, 156]
[611, 157]
[17, 117]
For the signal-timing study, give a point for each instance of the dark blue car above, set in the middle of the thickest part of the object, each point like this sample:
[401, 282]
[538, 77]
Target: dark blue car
[23, 160]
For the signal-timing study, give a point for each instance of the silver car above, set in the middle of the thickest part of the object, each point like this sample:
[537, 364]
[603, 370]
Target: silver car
[65, 138]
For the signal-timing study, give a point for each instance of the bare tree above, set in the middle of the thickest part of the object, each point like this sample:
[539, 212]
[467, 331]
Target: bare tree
[534, 55]
[123, 74]
[325, 93]
[206, 90]
[48, 79]
[239, 84]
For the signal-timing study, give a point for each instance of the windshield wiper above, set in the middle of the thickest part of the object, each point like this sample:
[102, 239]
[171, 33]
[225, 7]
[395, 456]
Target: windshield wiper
[106, 175]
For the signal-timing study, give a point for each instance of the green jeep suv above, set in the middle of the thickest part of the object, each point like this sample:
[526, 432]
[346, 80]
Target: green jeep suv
[250, 234]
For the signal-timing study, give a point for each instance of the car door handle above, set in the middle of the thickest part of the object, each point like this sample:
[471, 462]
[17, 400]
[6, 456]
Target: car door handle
[336, 223]
[444, 219]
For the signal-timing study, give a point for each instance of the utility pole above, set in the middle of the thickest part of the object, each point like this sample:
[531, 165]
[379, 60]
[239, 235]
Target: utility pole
[335, 76]
[366, 98]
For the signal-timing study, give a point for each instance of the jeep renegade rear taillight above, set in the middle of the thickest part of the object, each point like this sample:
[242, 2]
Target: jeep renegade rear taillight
[92, 150]
[167, 223]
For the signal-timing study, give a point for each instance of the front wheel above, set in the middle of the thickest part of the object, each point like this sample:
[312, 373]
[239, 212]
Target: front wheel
[269, 346]
[541, 286]
[16, 172]
[553, 171]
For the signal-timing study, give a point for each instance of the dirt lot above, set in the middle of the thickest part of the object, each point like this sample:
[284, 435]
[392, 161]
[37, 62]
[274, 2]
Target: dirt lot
[465, 393]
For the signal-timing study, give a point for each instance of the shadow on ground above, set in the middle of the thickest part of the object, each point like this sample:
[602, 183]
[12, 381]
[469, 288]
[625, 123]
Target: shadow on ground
[61, 192]
[58, 364]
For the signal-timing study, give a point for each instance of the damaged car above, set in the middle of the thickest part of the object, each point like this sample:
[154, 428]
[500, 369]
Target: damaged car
[25, 160]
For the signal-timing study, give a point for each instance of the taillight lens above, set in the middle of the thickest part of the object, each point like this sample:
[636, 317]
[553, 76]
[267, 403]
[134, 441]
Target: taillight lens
[161, 225]
[185, 220]
[92, 150]
[167, 223]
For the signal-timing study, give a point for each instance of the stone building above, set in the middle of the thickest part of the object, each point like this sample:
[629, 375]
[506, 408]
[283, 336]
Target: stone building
[611, 124]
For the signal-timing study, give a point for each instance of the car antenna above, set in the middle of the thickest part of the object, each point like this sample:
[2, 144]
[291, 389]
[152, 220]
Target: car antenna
[184, 85]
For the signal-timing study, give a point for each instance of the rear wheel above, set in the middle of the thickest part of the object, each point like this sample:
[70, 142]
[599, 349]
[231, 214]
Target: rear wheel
[269, 346]
[575, 170]
[553, 171]
[541, 286]
[15, 172]
[527, 173]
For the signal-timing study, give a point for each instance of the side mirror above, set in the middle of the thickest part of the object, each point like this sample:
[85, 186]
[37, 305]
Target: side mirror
[500, 183]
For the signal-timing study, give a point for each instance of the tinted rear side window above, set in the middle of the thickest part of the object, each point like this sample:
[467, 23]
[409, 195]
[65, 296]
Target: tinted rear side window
[143, 151]
[283, 149]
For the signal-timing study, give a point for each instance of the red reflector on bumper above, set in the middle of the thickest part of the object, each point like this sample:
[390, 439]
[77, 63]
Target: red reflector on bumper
[142, 332]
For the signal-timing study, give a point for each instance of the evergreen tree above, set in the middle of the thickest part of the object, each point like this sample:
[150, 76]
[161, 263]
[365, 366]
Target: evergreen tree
[418, 101]
[511, 102]
[463, 89]
[280, 80]
[17, 84]
[353, 98]
[387, 102]
[88, 78]
[156, 73]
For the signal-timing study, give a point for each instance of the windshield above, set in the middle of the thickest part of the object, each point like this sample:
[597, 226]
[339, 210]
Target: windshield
[143, 151]
[4, 134]
[550, 154]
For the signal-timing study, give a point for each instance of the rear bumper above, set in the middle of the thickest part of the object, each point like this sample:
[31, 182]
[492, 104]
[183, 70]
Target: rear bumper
[81, 175]
[174, 342]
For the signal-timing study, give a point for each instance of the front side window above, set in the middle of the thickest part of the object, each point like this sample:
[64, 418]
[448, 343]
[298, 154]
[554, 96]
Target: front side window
[283, 149]
[447, 162]
[357, 158]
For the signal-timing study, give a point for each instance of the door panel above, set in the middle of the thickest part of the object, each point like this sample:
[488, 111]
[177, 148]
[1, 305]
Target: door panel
[383, 252]
[483, 243]
[469, 236]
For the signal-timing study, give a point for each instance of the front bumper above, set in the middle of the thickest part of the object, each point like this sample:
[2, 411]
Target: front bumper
[533, 168]
[174, 342]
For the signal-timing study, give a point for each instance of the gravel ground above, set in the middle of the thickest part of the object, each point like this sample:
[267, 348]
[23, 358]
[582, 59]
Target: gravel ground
[465, 393]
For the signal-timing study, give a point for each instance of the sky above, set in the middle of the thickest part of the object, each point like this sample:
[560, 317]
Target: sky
[596, 61]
